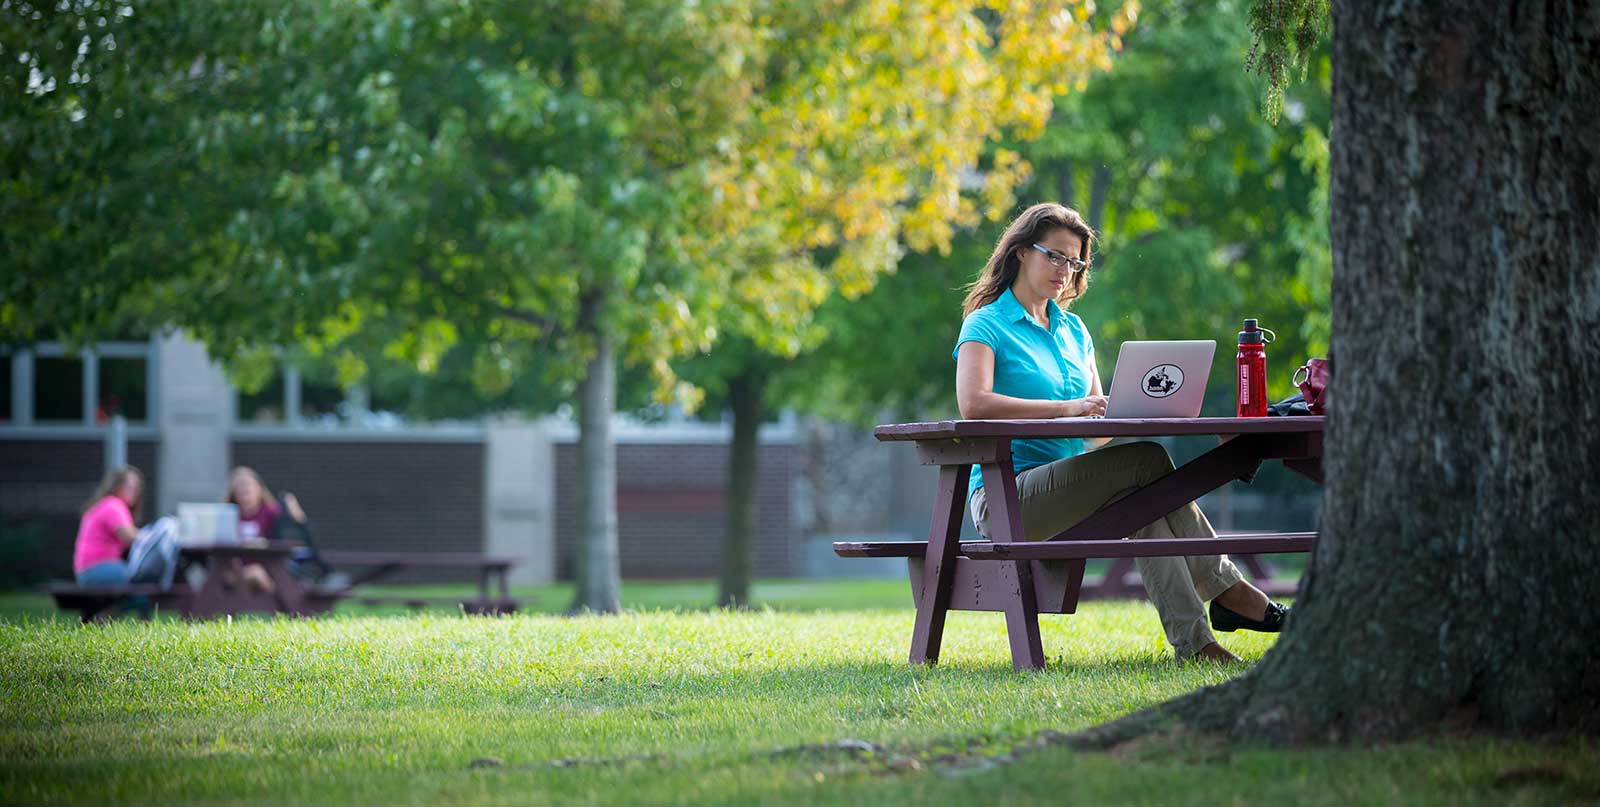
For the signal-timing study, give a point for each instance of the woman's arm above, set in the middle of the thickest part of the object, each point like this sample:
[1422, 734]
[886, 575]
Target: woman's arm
[976, 398]
[291, 506]
[1095, 390]
[126, 533]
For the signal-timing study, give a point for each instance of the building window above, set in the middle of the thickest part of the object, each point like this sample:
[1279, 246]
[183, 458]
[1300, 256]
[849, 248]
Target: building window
[124, 389]
[265, 405]
[5, 389]
[58, 389]
[321, 402]
[48, 384]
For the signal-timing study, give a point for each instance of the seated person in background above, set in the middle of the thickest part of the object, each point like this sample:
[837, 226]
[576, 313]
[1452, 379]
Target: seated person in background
[260, 516]
[105, 532]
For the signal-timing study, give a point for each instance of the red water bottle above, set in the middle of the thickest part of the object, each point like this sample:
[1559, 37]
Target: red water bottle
[1252, 375]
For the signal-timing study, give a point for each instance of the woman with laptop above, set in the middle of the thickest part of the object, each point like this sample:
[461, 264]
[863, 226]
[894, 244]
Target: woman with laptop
[1022, 355]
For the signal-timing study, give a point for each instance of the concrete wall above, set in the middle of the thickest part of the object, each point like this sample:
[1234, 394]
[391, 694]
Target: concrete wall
[519, 508]
[194, 415]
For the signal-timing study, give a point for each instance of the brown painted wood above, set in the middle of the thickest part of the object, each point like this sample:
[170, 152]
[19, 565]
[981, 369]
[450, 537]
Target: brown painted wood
[979, 586]
[465, 559]
[969, 451]
[263, 552]
[1097, 427]
[489, 607]
[216, 598]
[1140, 548]
[1057, 585]
[944, 533]
[1308, 468]
[1230, 460]
[89, 601]
[1016, 579]
[492, 571]
[880, 549]
[1117, 583]
[1023, 579]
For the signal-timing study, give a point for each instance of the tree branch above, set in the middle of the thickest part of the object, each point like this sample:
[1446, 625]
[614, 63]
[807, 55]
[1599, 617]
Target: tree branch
[549, 327]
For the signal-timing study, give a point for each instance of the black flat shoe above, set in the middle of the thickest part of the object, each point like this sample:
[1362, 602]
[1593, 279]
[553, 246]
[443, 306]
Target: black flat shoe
[1227, 621]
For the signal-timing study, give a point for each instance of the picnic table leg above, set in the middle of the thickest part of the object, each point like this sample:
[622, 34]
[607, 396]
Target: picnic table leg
[1258, 567]
[211, 598]
[938, 573]
[286, 590]
[1022, 604]
[1113, 584]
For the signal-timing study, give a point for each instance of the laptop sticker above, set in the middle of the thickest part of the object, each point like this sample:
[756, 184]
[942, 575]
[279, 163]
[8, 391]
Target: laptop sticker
[1162, 380]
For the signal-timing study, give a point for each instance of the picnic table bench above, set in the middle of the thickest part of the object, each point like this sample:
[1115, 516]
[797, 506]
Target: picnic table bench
[1026, 578]
[376, 565]
[216, 596]
[90, 601]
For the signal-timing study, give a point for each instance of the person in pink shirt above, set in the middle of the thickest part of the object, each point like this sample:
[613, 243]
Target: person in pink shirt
[106, 530]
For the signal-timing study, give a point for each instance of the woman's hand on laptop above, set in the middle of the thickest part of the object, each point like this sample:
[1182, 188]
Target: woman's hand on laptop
[1084, 407]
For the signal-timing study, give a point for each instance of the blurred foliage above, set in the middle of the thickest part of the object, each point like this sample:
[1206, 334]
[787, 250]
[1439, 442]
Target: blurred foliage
[443, 186]
[22, 551]
[1207, 214]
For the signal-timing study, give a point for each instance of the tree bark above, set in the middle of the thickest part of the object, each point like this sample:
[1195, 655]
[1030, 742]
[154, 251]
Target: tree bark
[1099, 190]
[1457, 583]
[1064, 182]
[599, 561]
[738, 538]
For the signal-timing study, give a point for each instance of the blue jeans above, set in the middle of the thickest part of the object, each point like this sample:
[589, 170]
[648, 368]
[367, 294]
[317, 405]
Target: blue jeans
[115, 573]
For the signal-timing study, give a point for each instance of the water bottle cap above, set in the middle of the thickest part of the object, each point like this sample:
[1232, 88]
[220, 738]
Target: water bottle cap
[1253, 334]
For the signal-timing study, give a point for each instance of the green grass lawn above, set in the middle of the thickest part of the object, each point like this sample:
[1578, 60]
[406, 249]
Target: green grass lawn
[664, 704]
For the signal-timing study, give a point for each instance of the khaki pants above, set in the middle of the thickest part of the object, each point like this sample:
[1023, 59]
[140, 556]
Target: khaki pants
[1058, 495]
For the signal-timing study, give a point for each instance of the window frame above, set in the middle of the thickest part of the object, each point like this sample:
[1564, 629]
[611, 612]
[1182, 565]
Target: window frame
[24, 378]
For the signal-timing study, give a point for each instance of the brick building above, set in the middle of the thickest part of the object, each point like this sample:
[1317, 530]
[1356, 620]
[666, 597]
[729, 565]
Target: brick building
[503, 486]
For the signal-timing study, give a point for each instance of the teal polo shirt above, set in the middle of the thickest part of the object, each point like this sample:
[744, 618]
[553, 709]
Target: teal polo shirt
[1030, 361]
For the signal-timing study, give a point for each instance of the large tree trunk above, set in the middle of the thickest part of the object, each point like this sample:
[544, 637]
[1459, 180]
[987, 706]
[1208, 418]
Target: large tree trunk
[599, 561]
[1457, 582]
[738, 538]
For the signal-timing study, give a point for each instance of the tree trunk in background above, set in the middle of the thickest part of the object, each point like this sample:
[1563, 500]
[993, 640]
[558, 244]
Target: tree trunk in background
[738, 538]
[599, 569]
[1099, 189]
[1458, 578]
[1064, 185]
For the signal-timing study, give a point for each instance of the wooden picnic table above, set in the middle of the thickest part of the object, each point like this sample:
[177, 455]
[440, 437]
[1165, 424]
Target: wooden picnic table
[1024, 579]
[377, 565]
[216, 595]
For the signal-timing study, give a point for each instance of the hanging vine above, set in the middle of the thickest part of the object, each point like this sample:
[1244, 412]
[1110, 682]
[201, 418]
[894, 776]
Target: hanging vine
[1285, 34]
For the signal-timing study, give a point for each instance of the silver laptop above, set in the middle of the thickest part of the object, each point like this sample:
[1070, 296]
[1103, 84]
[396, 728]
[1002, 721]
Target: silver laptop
[1160, 379]
[208, 523]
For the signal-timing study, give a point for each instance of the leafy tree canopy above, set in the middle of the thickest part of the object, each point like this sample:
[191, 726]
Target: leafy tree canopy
[401, 179]
[1207, 214]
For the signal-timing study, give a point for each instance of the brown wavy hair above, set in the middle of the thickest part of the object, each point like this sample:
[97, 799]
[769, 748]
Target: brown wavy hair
[1027, 229]
[113, 482]
[244, 470]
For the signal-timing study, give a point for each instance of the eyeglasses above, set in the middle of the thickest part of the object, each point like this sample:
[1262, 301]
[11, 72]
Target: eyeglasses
[1062, 259]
